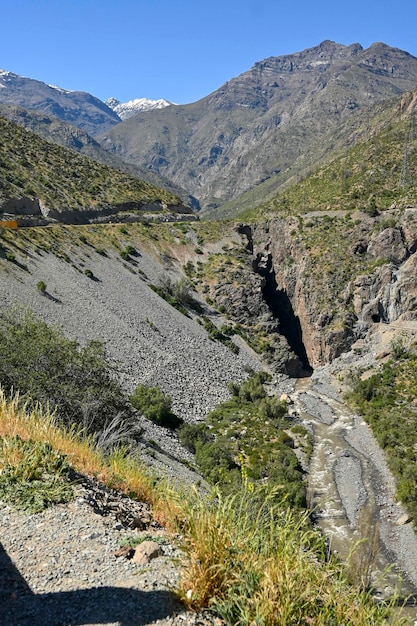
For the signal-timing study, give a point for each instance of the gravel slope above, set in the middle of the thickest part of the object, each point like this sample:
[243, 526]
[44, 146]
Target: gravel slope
[63, 567]
[151, 342]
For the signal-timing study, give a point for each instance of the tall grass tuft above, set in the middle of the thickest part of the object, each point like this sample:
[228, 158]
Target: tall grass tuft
[257, 562]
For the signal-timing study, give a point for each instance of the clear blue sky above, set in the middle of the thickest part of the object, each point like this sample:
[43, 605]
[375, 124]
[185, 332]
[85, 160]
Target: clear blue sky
[181, 50]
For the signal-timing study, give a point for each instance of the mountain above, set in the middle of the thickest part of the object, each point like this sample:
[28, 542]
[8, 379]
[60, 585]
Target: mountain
[76, 107]
[45, 182]
[258, 124]
[127, 109]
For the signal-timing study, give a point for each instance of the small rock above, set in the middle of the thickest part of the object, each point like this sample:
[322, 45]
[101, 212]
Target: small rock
[126, 551]
[145, 552]
[404, 519]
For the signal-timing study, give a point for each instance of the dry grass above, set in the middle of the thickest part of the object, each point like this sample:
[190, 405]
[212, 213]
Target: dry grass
[257, 562]
[40, 424]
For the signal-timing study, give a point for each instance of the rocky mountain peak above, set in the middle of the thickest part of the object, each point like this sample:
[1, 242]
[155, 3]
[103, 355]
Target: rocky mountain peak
[127, 109]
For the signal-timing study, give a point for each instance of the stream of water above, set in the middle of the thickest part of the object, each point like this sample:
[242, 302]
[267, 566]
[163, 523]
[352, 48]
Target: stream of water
[352, 495]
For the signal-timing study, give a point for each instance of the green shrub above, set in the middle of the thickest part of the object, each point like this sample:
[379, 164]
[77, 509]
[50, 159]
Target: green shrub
[32, 474]
[220, 334]
[191, 434]
[127, 252]
[41, 286]
[217, 463]
[39, 362]
[178, 294]
[155, 406]
[88, 273]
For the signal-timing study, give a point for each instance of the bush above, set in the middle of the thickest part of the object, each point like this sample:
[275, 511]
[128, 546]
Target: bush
[155, 406]
[217, 464]
[177, 294]
[41, 286]
[39, 362]
[127, 252]
[32, 474]
[191, 434]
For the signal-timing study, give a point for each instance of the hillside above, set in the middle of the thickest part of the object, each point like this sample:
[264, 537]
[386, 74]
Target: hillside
[95, 291]
[44, 180]
[258, 124]
[55, 130]
[377, 172]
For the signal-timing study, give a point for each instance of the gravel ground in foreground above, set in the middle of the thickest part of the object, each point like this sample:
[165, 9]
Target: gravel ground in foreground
[59, 567]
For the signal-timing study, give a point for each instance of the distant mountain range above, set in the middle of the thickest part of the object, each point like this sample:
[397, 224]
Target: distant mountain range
[260, 131]
[76, 107]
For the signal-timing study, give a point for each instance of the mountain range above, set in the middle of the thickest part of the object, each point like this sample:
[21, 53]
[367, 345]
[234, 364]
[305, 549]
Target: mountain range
[256, 126]
[240, 145]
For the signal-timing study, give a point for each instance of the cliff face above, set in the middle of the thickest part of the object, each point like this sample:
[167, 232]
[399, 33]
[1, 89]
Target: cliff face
[327, 281]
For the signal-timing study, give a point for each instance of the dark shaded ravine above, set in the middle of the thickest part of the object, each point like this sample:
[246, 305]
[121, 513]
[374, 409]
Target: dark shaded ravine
[289, 323]
[280, 306]
[352, 492]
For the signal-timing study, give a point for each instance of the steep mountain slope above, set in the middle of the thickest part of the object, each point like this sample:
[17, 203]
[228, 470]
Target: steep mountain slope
[76, 107]
[377, 171]
[64, 134]
[46, 181]
[150, 341]
[259, 123]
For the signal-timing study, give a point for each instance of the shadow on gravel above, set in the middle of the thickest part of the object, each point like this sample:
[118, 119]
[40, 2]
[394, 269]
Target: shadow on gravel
[19, 606]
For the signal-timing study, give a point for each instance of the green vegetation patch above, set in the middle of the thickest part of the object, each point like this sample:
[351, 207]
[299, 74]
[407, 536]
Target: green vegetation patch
[34, 168]
[155, 406]
[46, 367]
[178, 294]
[388, 402]
[245, 438]
[33, 476]
[381, 169]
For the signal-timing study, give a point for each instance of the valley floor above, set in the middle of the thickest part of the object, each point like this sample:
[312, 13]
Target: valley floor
[350, 485]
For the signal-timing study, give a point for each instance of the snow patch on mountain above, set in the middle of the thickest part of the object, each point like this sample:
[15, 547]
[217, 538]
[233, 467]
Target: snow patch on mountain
[6, 75]
[60, 89]
[127, 109]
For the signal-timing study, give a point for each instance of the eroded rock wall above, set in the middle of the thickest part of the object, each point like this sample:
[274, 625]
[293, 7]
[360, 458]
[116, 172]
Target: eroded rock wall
[341, 276]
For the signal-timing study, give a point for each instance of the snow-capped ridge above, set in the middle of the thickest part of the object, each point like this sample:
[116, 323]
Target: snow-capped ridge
[7, 73]
[127, 109]
[60, 89]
